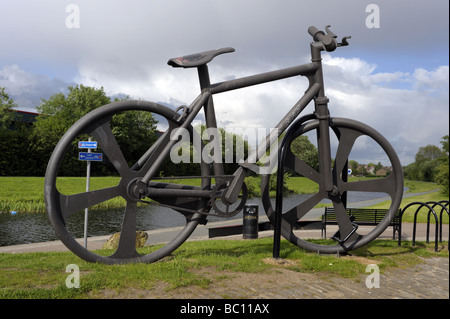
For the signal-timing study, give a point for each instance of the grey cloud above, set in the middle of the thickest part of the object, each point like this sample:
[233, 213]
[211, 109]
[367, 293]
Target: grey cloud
[149, 32]
[28, 89]
[124, 46]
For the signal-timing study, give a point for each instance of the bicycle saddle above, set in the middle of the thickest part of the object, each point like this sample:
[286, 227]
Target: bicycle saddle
[197, 59]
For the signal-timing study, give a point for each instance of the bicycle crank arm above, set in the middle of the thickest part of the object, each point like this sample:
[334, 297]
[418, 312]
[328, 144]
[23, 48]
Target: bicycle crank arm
[188, 211]
[235, 187]
[192, 199]
[137, 190]
[176, 190]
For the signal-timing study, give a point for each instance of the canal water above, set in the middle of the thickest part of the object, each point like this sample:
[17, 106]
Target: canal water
[24, 228]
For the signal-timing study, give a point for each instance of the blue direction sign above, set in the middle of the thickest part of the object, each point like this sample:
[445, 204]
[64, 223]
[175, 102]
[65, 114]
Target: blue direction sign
[85, 156]
[87, 144]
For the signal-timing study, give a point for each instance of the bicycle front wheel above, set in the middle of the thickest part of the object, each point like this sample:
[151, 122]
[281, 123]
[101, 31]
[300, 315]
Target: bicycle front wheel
[351, 139]
[126, 156]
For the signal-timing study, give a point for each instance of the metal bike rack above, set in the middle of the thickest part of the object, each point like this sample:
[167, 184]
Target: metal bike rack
[280, 182]
[441, 203]
[438, 221]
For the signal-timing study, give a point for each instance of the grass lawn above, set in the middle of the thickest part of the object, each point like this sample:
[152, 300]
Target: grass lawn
[43, 275]
[408, 215]
[22, 194]
[25, 194]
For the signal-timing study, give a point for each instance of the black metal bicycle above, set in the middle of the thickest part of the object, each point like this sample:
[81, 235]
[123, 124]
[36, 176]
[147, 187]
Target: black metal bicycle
[144, 181]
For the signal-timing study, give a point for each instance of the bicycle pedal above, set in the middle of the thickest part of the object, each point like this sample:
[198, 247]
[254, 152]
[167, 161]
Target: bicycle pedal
[337, 235]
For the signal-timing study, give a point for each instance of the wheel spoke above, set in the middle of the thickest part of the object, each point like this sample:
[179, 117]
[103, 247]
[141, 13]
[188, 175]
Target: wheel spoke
[382, 185]
[348, 236]
[296, 213]
[99, 125]
[344, 223]
[300, 167]
[76, 202]
[127, 240]
[110, 147]
[346, 141]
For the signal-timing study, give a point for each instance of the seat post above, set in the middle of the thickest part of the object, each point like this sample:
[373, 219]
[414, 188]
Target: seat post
[203, 76]
[210, 115]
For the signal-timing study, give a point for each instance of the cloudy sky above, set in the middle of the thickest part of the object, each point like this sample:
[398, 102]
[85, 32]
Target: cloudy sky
[394, 75]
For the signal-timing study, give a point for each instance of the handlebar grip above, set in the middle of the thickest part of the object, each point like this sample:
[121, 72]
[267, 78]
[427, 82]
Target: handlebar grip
[315, 33]
[329, 43]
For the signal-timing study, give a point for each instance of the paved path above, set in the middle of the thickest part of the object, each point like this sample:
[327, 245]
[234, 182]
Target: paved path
[429, 280]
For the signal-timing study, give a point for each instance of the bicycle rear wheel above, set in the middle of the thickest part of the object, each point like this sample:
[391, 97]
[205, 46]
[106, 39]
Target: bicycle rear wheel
[351, 138]
[124, 162]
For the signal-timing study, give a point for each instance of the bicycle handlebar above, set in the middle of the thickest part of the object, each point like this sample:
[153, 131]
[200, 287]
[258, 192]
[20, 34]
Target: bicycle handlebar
[315, 33]
[328, 40]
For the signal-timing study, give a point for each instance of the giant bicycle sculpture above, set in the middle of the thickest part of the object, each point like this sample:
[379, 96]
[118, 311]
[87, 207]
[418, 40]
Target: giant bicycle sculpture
[142, 181]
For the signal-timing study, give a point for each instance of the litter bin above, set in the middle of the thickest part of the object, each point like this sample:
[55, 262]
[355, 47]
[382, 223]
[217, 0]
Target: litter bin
[250, 222]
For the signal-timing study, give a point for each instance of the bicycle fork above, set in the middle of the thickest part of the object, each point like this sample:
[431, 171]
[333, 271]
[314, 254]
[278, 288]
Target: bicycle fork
[323, 141]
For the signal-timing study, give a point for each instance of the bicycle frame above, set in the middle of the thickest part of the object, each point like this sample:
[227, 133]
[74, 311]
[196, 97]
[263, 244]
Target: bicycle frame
[313, 71]
[197, 202]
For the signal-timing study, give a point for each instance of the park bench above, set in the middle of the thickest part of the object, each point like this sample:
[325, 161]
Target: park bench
[361, 216]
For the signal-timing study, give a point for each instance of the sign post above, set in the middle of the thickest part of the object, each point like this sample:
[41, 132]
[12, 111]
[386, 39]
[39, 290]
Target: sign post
[86, 210]
[89, 157]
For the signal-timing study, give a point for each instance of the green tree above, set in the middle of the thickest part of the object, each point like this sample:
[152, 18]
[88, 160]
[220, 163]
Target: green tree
[306, 151]
[14, 140]
[378, 166]
[6, 105]
[442, 171]
[15, 150]
[353, 165]
[134, 131]
[233, 147]
[426, 161]
[58, 113]
[238, 147]
[428, 153]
